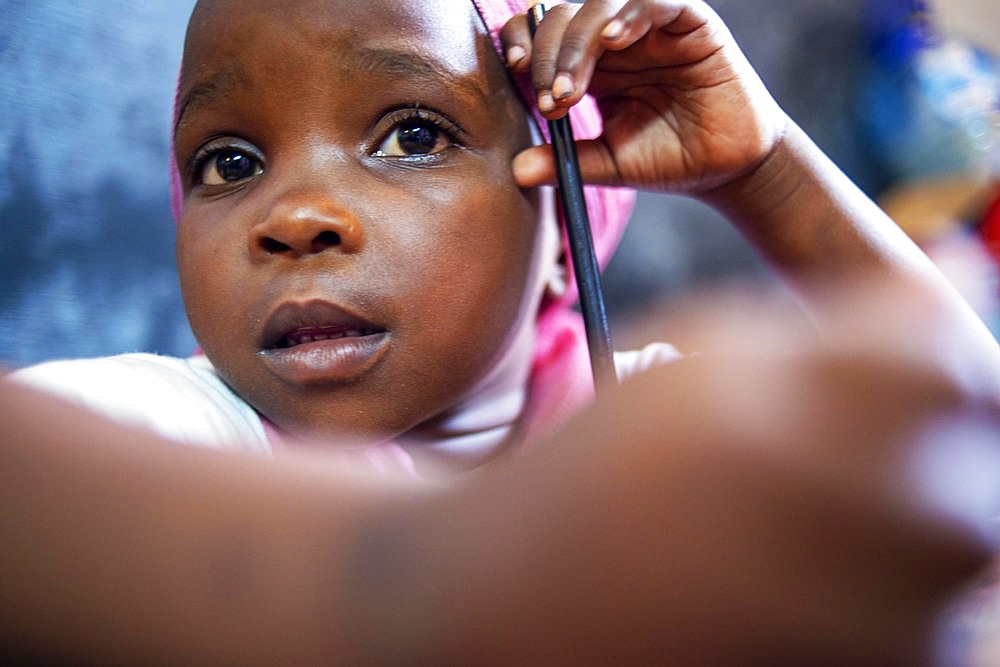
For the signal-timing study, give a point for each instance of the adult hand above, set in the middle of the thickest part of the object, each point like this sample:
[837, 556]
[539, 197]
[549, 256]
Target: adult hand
[683, 109]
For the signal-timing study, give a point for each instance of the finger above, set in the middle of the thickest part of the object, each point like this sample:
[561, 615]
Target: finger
[515, 39]
[637, 17]
[581, 38]
[579, 50]
[536, 165]
[545, 51]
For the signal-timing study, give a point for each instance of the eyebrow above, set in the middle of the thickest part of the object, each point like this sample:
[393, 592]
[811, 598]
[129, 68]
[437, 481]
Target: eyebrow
[394, 62]
[206, 92]
[419, 68]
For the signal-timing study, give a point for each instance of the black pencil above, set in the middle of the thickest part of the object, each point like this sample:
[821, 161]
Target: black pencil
[581, 242]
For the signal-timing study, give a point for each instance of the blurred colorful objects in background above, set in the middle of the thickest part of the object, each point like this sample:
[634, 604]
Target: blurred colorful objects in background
[928, 109]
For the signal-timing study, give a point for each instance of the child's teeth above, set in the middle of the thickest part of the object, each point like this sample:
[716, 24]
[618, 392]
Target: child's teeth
[301, 339]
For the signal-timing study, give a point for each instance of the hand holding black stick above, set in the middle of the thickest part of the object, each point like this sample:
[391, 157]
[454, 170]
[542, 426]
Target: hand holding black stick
[581, 242]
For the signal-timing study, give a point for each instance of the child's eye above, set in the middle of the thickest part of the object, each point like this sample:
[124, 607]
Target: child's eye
[225, 161]
[414, 138]
[229, 166]
[415, 133]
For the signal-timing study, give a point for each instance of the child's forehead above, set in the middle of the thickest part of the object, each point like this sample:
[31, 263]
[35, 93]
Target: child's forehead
[257, 44]
[438, 35]
[385, 18]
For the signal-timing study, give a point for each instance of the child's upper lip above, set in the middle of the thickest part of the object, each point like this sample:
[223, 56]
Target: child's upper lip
[292, 322]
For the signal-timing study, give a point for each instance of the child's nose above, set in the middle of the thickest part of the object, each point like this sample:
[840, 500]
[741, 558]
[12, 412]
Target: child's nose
[305, 225]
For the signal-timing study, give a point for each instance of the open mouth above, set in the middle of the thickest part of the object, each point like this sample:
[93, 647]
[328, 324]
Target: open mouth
[303, 335]
[318, 341]
[294, 324]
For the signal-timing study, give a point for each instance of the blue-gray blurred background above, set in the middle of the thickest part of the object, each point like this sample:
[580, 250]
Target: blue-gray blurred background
[86, 255]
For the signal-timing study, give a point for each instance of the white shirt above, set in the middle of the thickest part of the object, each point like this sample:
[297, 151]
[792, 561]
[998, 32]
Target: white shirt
[185, 400]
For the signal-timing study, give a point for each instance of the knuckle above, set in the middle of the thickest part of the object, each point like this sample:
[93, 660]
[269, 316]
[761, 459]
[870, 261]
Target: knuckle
[575, 42]
[513, 31]
[542, 70]
[564, 10]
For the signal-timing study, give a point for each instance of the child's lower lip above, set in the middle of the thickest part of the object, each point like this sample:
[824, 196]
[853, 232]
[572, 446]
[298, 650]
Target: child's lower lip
[332, 360]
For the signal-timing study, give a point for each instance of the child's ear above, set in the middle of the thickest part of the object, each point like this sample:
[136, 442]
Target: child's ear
[556, 285]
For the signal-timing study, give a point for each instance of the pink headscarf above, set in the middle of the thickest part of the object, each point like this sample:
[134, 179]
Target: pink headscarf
[561, 380]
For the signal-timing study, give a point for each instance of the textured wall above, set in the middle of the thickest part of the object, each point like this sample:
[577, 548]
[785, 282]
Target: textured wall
[87, 242]
[808, 53]
[974, 20]
[86, 252]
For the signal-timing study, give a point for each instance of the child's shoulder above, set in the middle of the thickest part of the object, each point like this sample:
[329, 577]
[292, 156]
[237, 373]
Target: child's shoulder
[181, 399]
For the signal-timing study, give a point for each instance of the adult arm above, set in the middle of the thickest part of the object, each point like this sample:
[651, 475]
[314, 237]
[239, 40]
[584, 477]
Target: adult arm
[737, 514]
[826, 238]
[121, 548]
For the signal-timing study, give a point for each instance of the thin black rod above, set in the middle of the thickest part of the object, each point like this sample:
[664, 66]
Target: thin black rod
[581, 241]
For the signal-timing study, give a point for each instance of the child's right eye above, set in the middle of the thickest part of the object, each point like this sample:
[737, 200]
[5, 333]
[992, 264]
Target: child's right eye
[223, 163]
[229, 166]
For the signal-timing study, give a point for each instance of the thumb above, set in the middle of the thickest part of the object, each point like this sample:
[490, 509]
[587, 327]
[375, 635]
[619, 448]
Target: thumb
[536, 165]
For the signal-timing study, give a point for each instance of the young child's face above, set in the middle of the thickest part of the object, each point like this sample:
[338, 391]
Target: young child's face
[354, 254]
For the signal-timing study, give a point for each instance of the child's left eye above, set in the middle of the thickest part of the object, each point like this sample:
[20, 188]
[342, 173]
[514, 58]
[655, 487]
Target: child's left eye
[414, 138]
[415, 133]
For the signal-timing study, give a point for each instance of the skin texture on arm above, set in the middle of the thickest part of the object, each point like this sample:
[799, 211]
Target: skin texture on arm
[121, 548]
[763, 557]
[747, 507]
[750, 508]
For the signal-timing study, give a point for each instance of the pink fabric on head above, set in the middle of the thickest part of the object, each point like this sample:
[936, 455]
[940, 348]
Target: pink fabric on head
[176, 188]
[608, 208]
[561, 380]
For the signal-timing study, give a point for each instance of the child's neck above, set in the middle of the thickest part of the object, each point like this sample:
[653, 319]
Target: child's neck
[468, 436]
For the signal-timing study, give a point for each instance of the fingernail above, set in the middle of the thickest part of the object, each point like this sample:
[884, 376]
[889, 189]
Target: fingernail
[613, 30]
[515, 54]
[563, 86]
[545, 102]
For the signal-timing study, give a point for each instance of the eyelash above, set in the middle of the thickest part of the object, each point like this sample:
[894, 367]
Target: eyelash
[393, 118]
[211, 151]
